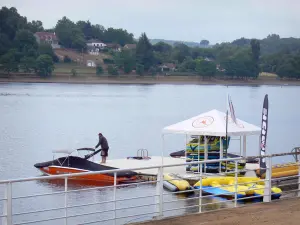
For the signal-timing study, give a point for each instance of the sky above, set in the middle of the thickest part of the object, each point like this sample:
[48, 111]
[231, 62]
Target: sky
[184, 20]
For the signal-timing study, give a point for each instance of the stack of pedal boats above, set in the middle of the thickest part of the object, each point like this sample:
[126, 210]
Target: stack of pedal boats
[225, 186]
[196, 152]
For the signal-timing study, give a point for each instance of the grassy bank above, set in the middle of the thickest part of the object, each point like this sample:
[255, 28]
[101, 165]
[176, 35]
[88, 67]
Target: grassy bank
[66, 69]
[125, 79]
[87, 75]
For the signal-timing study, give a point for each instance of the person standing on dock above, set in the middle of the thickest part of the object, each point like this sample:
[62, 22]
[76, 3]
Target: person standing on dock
[104, 147]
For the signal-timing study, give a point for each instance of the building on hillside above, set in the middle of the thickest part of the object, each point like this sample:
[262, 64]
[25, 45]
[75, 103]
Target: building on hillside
[94, 46]
[93, 50]
[90, 63]
[47, 37]
[115, 47]
[208, 59]
[130, 46]
[96, 43]
[219, 68]
[167, 67]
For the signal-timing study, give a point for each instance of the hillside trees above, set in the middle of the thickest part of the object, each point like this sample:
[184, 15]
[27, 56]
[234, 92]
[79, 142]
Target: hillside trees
[19, 50]
[242, 58]
[144, 52]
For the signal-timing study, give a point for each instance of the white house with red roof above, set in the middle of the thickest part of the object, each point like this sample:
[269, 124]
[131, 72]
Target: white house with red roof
[47, 37]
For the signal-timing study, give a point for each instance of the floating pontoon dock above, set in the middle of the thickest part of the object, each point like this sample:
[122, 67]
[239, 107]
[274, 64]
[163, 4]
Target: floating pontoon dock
[153, 161]
[212, 123]
[180, 171]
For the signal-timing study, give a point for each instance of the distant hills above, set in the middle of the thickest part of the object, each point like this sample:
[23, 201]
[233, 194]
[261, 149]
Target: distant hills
[172, 42]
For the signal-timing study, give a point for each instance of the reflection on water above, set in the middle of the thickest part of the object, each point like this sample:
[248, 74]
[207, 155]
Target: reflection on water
[38, 118]
[59, 184]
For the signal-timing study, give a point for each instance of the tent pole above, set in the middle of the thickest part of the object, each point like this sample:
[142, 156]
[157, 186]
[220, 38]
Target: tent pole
[244, 146]
[205, 152]
[199, 137]
[185, 152]
[226, 147]
[221, 153]
[163, 148]
[240, 145]
[185, 146]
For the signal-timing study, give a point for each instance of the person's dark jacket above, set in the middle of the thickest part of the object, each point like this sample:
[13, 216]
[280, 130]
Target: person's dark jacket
[102, 142]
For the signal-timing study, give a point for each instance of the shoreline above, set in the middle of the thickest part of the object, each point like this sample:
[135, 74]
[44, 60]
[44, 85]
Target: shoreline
[172, 80]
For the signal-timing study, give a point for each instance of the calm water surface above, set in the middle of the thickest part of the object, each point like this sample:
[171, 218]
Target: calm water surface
[37, 118]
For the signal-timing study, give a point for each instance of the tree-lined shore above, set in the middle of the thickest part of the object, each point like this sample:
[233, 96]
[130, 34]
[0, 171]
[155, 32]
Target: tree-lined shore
[241, 59]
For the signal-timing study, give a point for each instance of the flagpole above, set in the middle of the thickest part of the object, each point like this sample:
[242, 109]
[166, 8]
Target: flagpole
[226, 148]
[226, 132]
[233, 118]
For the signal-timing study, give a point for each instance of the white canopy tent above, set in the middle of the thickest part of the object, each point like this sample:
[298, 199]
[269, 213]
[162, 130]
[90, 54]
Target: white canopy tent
[213, 123]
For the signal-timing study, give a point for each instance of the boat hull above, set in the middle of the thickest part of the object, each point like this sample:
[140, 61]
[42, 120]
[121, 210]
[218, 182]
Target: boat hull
[95, 177]
[73, 165]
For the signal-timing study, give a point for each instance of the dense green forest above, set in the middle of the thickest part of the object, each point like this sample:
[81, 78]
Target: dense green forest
[242, 58]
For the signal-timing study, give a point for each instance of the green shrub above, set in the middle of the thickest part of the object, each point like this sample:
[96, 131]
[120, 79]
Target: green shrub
[67, 59]
[99, 70]
[140, 69]
[108, 61]
[153, 71]
[74, 72]
[112, 70]
[55, 58]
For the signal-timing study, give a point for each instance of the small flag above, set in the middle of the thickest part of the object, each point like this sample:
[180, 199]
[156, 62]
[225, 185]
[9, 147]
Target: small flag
[232, 113]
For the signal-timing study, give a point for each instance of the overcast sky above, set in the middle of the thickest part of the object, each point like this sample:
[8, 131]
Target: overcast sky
[186, 20]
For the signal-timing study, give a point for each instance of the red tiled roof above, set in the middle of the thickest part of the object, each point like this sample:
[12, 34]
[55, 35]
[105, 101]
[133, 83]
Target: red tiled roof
[46, 35]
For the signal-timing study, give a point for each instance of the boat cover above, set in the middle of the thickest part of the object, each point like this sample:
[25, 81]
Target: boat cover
[80, 163]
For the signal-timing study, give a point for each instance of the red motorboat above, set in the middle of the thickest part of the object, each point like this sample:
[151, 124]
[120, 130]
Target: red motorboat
[76, 164]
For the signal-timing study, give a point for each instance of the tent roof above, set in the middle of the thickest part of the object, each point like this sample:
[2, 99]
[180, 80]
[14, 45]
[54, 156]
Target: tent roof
[213, 123]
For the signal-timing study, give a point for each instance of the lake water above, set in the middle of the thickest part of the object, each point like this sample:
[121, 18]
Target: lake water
[37, 118]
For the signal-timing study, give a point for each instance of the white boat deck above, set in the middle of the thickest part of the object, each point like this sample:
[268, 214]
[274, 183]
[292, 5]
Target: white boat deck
[154, 161]
[157, 161]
